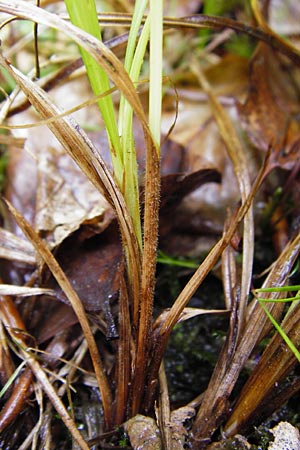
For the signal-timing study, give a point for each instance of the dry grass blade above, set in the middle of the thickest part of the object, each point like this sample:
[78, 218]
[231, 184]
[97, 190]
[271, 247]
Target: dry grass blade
[215, 22]
[187, 313]
[124, 355]
[64, 283]
[24, 291]
[238, 157]
[163, 410]
[55, 400]
[15, 248]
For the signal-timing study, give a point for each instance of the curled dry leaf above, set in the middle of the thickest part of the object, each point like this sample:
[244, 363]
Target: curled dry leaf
[15, 248]
[66, 200]
[55, 195]
[187, 313]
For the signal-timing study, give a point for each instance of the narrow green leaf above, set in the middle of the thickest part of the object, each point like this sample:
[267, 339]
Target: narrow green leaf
[84, 15]
[284, 336]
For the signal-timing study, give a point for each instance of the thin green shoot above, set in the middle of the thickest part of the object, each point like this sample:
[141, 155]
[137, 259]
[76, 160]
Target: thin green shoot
[134, 57]
[84, 15]
[279, 329]
[168, 260]
[276, 325]
[278, 300]
[156, 58]
[295, 269]
[12, 378]
[277, 289]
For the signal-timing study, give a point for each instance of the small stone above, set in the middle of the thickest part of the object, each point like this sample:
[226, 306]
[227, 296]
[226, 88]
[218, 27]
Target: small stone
[286, 437]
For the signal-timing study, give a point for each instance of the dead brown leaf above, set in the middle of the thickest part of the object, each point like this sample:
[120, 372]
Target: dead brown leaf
[268, 115]
[45, 184]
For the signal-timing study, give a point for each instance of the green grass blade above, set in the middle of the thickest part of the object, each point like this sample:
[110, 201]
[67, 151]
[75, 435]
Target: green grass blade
[284, 336]
[84, 15]
[278, 289]
[12, 378]
[168, 260]
[134, 58]
[278, 300]
[156, 57]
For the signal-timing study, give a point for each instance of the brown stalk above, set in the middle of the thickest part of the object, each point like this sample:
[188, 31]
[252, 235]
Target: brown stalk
[124, 355]
[237, 154]
[164, 412]
[151, 217]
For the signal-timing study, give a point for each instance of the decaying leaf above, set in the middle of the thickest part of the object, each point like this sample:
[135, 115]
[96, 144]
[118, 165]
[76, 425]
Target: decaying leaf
[55, 195]
[66, 200]
[143, 433]
[91, 265]
[187, 313]
[16, 248]
[269, 115]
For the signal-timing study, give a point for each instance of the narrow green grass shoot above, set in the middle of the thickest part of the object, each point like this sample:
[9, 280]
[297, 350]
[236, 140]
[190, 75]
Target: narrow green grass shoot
[276, 325]
[84, 15]
[134, 57]
[12, 378]
[163, 258]
[156, 60]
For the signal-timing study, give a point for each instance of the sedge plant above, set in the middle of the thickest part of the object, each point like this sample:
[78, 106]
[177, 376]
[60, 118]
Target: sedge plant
[122, 149]
[140, 349]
